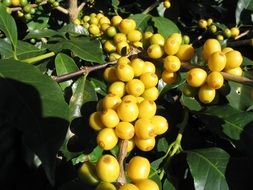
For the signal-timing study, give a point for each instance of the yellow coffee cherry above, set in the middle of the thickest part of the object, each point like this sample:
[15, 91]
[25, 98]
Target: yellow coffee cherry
[172, 44]
[107, 138]
[123, 60]
[169, 77]
[160, 124]
[167, 4]
[93, 21]
[125, 130]
[147, 35]
[210, 46]
[108, 168]
[234, 59]
[128, 111]
[104, 20]
[135, 87]
[147, 109]
[94, 29]
[217, 61]
[124, 72]
[110, 74]
[109, 118]
[215, 80]
[139, 99]
[151, 93]
[185, 52]
[138, 66]
[111, 101]
[138, 45]
[209, 21]
[122, 47]
[171, 63]
[226, 49]
[138, 168]
[114, 56]
[116, 20]
[87, 173]
[157, 39]
[149, 79]
[111, 31]
[126, 25]
[134, 36]
[129, 98]
[147, 184]
[149, 67]
[237, 71]
[104, 27]
[119, 37]
[128, 186]
[95, 121]
[15, 3]
[144, 145]
[227, 33]
[100, 15]
[234, 32]
[117, 88]
[202, 23]
[206, 94]
[196, 77]
[144, 129]
[105, 186]
[155, 51]
[86, 18]
[220, 37]
[109, 46]
[130, 145]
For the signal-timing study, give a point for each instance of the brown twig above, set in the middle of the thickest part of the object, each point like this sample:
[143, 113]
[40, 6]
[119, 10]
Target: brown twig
[151, 7]
[237, 43]
[242, 34]
[122, 155]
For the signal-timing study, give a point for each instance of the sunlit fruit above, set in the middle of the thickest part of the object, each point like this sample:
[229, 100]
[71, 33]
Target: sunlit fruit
[185, 52]
[95, 121]
[138, 168]
[234, 32]
[124, 72]
[171, 63]
[234, 59]
[149, 79]
[128, 111]
[155, 51]
[107, 138]
[147, 184]
[160, 124]
[105, 186]
[151, 93]
[147, 109]
[134, 36]
[144, 129]
[126, 25]
[206, 94]
[237, 71]
[128, 186]
[117, 88]
[157, 39]
[107, 168]
[172, 44]
[125, 130]
[215, 80]
[210, 46]
[138, 66]
[135, 87]
[145, 145]
[110, 101]
[169, 77]
[217, 61]
[109, 118]
[196, 77]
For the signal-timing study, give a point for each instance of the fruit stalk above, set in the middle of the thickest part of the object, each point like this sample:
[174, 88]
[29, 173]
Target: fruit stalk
[36, 59]
[122, 155]
[151, 7]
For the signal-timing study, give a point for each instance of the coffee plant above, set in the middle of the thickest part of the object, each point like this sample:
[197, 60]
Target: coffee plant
[126, 95]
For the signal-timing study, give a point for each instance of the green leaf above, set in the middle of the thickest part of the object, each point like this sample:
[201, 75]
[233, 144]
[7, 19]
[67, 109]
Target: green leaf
[99, 86]
[156, 163]
[24, 50]
[168, 185]
[191, 103]
[74, 29]
[39, 108]
[8, 26]
[41, 33]
[230, 120]
[96, 154]
[79, 159]
[86, 48]
[38, 23]
[241, 5]
[141, 20]
[165, 26]
[83, 92]
[162, 145]
[208, 168]
[63, 65]
[239, 96]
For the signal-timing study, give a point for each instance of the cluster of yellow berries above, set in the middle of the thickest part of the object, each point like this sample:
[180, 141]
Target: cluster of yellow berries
[218, 59]
[220, 33]
[106, 171]
[172, 52]
[118, 34]
[128, 111]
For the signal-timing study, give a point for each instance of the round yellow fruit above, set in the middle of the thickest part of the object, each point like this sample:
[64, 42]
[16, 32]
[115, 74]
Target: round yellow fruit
[147, 184]
[160, 124]
[138, 168]
[107, 138]
[128, 111]
[210, 46]
[206, 94]
[145, 144]
[125, 130]
[217, 61]
[171, 63]
[196, 77]
[215, 80]
[144, 129]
